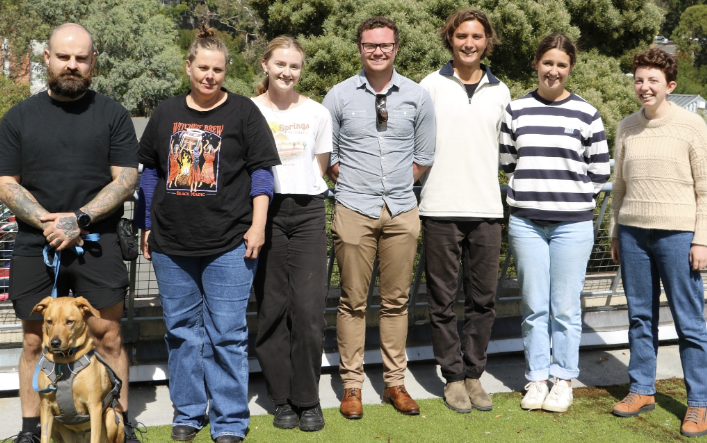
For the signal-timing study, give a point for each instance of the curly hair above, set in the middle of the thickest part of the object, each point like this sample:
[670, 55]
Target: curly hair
[657, 58]
[455, 20]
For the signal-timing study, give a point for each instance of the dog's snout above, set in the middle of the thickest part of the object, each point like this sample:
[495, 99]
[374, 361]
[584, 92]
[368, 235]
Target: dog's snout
[56, 342]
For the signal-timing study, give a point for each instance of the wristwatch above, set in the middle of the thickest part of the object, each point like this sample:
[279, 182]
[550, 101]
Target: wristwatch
[82, 219]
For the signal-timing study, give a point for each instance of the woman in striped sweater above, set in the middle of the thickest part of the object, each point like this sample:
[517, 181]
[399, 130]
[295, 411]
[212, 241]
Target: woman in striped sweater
[553, 149]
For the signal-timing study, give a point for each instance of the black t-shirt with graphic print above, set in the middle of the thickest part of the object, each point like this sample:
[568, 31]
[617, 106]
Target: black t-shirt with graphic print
[63, 152]
[204, 160]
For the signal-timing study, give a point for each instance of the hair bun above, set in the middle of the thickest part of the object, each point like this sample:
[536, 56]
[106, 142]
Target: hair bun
[205, 32]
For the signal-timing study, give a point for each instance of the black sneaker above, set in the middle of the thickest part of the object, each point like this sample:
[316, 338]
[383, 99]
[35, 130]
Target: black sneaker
[183, 433]
[229, 439]
[23, 437]
[130, 429]
[285, 417]
[311, 419]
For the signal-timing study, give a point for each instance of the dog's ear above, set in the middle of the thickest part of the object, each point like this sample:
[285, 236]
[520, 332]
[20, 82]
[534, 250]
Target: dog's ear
[41, 306]
[86, 308]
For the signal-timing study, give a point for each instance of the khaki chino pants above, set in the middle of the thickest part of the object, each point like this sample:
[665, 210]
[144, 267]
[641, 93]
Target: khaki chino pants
[356, 240]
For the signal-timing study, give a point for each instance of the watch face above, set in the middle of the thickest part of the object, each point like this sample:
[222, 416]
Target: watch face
[83, 220]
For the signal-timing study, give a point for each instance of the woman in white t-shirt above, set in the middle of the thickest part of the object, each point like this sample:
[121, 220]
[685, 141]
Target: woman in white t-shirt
[290, 284]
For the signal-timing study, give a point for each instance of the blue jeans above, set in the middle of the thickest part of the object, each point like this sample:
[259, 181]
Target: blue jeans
[648, 256]
[204, 301]
[551, 262]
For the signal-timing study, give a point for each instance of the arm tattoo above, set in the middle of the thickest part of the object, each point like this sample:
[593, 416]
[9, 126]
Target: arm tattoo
[22, 204]
[113, 195]
[68, 226]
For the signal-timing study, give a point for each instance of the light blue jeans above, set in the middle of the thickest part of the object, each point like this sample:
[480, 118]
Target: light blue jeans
[551, 262]
[204, 301]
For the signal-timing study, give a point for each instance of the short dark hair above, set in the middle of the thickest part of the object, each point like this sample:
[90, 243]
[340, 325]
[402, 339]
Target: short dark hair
[377, 22]
[657, 58]
[455, 20]
[557, 41]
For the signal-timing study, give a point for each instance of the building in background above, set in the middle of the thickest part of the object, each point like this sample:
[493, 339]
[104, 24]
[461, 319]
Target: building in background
[691, 102]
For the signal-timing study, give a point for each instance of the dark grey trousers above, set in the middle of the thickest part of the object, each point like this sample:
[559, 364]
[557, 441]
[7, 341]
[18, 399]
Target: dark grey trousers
[478, 246]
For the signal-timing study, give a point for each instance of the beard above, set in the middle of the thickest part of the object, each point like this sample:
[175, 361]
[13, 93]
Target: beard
[68, 84]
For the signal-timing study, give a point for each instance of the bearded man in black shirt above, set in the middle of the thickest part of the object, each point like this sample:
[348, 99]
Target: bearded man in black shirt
[69, 163]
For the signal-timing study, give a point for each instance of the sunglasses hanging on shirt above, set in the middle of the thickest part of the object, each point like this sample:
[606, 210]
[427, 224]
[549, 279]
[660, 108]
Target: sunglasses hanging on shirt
[381, 111]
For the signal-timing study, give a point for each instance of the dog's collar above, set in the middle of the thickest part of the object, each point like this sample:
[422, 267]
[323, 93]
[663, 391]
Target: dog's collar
[61, 354]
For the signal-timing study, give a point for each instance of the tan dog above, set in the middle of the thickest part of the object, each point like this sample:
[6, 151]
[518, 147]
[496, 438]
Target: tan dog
[68, 351]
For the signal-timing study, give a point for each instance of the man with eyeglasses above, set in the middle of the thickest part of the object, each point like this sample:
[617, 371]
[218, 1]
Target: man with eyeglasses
[384, 137]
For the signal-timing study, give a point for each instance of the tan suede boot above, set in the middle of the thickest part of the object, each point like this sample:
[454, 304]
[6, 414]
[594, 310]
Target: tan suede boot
[456, 398]
[633, 404]
[479, 398]
[695, 423]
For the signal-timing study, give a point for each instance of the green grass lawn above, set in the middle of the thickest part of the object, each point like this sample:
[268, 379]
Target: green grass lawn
[588, 420]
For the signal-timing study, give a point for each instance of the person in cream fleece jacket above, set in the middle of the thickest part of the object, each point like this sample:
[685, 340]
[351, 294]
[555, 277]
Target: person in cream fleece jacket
[461, 206]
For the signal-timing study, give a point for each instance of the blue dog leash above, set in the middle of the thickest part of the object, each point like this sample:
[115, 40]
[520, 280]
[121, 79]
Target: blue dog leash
[57, 257]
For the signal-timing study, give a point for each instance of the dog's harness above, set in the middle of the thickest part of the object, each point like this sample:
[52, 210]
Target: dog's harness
[61, 376]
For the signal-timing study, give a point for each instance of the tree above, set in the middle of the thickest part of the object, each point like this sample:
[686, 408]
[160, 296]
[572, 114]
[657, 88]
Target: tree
[332, 55]
[11, 93]
[137, 60]
[293, 17]
[20, 24]
[691, 35]
[673, 10]
[616, 28]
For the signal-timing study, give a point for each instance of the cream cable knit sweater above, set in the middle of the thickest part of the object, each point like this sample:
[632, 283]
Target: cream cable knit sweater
[660, 175]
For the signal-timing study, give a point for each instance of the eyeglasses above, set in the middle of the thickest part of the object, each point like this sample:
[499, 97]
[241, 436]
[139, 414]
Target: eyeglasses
[371, 47]
[381, 112]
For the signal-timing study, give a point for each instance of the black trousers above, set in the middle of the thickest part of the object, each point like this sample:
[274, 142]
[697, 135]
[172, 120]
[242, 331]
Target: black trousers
[290, 288]
[478, 245]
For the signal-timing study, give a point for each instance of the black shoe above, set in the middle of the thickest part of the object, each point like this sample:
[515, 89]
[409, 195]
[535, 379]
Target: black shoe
[285, 417]
[130, 429]
[229, 439]
[23, 437]
[183, 433]
[311, 419]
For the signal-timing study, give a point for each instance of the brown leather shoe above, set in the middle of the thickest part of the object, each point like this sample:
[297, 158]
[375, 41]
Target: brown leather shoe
[695, 423]
[401, 400]
[351, 406]
[633, 404]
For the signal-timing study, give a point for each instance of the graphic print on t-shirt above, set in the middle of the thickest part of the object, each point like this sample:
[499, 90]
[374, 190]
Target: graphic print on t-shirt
[291, 140]
[194, 151]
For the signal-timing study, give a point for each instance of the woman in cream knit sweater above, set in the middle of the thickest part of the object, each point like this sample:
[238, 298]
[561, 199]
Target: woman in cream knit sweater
[659, 230]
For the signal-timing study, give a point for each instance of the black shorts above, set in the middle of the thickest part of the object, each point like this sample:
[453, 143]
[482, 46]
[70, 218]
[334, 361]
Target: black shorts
[100, 276]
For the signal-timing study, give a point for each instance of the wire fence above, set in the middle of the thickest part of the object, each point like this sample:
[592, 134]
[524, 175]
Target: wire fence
[145, 285]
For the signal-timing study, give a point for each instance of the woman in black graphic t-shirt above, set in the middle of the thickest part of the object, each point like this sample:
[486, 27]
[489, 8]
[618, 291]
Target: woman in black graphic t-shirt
[204, 236]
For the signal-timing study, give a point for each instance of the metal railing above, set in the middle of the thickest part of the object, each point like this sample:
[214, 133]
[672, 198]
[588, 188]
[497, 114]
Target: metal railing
[603, 276]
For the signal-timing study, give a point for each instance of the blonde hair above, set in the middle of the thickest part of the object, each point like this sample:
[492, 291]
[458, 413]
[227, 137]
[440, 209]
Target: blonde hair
[281, 42]
[206, 40]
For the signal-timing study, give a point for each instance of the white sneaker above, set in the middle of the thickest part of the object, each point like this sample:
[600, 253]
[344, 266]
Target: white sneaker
[560, 398]
[534, 398]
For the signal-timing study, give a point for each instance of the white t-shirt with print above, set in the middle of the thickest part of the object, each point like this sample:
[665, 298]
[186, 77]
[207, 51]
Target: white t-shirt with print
[299, 133]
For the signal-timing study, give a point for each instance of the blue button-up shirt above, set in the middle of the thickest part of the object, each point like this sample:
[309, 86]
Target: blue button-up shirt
[375, 160]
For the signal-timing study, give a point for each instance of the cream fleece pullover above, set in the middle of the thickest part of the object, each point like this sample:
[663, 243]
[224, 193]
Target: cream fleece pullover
[660, 175]
[463, 180]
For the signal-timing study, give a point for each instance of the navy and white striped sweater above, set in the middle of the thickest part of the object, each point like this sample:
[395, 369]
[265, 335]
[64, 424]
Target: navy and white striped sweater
[556, 156]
